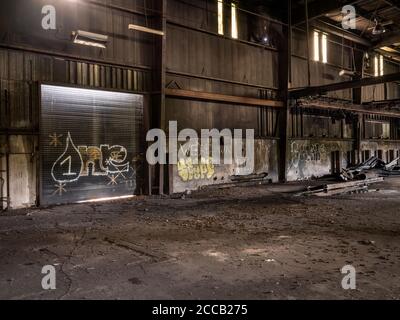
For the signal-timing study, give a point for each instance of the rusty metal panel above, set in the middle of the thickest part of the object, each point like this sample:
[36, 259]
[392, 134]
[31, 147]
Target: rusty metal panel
[90, 141]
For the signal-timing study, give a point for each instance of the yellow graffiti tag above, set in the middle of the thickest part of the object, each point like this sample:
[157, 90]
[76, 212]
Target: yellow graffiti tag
[188, 171]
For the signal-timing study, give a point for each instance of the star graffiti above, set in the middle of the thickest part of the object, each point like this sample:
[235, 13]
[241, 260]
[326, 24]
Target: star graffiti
[55, 140]
[113, 180]
[60, 189]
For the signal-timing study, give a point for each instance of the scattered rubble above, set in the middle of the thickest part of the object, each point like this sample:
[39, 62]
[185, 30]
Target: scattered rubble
[372, 168]
[358, 179]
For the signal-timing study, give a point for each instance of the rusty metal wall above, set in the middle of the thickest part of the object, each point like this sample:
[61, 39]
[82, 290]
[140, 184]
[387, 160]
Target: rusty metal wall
[21, 26]
[201, 60]
[339, 57]
[30, 54]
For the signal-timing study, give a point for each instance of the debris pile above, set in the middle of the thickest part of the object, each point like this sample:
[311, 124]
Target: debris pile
[392, 168]
[372, 168]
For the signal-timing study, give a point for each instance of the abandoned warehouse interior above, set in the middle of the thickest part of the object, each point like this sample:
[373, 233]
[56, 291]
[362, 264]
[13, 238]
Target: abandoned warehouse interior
[319, 98]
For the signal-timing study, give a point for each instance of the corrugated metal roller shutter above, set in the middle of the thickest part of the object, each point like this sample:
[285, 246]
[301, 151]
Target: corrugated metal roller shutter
[90, 141]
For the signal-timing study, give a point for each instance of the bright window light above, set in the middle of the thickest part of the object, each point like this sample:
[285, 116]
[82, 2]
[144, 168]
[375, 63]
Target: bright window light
[381, 66]
[235, 34]
[324, 48]
[376, 66]
[316, 46]
[220, 17]
[106, 199]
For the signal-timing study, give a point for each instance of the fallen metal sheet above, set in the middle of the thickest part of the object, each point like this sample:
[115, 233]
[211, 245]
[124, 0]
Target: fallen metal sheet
[392, 164]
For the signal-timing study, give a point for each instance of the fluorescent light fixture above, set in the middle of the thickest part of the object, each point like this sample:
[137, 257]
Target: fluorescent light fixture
[347, 73]
[388, 49]
[90, 39]
[235, 33]
[381, 66]
[145, 29]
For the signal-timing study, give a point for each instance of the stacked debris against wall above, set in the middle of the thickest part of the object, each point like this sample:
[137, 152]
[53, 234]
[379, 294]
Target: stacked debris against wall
[372, 168]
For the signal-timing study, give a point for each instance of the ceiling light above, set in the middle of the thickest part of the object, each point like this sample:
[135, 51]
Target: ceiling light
[347, 73]
[90, 39]
[378, 29]
[145, 29]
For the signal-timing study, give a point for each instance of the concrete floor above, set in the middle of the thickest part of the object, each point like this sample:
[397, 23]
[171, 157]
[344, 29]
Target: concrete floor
[245, 243]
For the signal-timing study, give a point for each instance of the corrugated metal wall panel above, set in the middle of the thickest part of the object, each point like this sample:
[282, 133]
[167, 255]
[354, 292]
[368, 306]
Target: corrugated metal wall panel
[90, 141]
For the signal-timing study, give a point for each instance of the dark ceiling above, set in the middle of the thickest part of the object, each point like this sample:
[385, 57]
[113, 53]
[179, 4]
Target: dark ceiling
[381, 15]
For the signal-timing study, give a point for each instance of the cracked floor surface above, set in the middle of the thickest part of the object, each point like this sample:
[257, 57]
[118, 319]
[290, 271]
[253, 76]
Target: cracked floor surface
[245, 243]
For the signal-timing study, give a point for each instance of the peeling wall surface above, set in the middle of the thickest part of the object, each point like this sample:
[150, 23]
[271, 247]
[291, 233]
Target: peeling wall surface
[22, 174]
[192, 177]
[311, 159]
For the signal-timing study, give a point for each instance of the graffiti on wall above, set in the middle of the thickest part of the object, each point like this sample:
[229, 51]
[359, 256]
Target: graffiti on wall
[314, 159]
[75, 163]
[188, 171]
[309, 152]
[306, 159]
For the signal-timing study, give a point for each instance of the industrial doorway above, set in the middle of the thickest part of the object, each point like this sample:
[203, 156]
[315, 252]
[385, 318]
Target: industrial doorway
[90, 144]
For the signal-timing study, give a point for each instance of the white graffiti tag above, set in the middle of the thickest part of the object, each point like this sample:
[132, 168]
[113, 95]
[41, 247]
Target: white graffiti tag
[90, 161]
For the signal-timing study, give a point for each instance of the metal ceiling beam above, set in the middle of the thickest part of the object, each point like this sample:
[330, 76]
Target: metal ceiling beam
[391, 38]
[335, 30]
[390, 55]
[357, 108]
[318, 9]
[394, 3]
[369, 15]
[209, 96]
[320, 90]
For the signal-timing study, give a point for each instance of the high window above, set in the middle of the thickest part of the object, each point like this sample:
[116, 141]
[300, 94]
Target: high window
[220, 17]
[320, 47]
[234, 30]
[379, 66]
[234, 19]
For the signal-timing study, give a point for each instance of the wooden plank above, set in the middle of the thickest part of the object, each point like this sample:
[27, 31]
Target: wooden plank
[208, 96]
[352, 184]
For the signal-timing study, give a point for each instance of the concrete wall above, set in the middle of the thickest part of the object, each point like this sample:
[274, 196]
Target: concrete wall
[312, 158]
[22, 170]
[266, 161]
